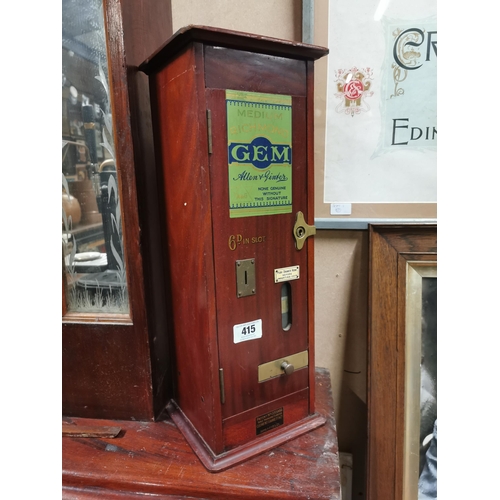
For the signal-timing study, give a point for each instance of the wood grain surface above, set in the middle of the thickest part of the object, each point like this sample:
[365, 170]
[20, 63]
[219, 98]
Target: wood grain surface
[152, 459]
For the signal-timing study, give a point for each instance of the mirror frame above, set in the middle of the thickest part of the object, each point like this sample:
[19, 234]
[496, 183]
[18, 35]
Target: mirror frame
[123, 160]
[394, 249]
[118, 366]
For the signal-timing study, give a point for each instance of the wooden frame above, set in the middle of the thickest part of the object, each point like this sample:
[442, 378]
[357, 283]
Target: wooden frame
[118, 366]
[396, 251]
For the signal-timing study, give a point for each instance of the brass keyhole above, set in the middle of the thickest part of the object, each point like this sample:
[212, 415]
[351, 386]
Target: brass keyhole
[300, 232]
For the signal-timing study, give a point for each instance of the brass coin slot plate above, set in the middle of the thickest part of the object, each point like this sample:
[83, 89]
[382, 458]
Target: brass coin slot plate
[245, 277]
[273, 369]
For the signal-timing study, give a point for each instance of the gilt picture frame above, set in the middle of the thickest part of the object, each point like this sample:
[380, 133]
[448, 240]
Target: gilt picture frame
[402, 315]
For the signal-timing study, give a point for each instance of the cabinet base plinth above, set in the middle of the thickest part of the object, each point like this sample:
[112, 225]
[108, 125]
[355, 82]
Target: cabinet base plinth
[261, 444]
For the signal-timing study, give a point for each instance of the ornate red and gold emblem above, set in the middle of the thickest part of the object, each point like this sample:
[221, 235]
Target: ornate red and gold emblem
[353, 87]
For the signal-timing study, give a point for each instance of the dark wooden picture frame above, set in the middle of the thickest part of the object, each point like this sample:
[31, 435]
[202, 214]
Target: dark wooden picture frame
[394, 250]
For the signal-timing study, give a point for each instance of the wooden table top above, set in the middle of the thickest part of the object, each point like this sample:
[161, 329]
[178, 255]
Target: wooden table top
[152, 459]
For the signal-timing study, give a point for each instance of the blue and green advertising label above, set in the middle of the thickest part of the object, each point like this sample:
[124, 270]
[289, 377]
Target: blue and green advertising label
[259, 142]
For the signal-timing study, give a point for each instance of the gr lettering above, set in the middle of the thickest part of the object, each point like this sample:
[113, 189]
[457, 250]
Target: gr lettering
[413, 37]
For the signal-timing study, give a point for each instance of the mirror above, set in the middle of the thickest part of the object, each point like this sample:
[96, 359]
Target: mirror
[92, 238]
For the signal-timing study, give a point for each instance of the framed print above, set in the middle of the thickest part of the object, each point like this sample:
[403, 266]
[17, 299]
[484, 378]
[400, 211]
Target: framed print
[381, 141]
[402, 361]
[379, 164]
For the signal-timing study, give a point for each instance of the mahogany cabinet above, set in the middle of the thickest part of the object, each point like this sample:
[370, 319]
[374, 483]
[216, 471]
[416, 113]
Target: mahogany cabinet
[233, 130]
[115, 360]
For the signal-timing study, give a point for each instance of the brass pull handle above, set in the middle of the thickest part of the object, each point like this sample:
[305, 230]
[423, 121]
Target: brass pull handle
[287, 367]
[302, 231]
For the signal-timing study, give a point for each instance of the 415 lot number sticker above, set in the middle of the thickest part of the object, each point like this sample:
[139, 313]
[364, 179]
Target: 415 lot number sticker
[247, 331]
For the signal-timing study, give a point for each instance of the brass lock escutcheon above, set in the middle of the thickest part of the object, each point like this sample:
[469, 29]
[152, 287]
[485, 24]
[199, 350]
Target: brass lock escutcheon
[302, 231]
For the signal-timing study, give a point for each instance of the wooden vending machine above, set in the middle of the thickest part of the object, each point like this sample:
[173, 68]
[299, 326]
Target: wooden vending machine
[233, 129]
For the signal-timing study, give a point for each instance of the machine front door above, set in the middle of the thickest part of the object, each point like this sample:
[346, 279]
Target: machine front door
[258, 172]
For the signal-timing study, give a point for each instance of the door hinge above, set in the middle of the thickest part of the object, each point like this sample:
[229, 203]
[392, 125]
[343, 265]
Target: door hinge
[221, 385]
[209, 130]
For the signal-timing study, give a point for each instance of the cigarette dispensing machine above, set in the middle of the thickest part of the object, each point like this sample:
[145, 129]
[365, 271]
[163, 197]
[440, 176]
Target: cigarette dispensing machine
[233, 128]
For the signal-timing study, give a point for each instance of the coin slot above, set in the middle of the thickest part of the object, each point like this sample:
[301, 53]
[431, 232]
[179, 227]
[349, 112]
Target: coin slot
[245, 277]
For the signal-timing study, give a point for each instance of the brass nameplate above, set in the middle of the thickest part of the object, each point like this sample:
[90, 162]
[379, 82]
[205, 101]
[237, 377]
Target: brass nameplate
[269, 421]
[273, 369]
[286, 274]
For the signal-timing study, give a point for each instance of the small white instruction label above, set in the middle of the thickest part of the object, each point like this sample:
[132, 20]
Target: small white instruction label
[340, 209]
[286, 274]
[247, 331]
